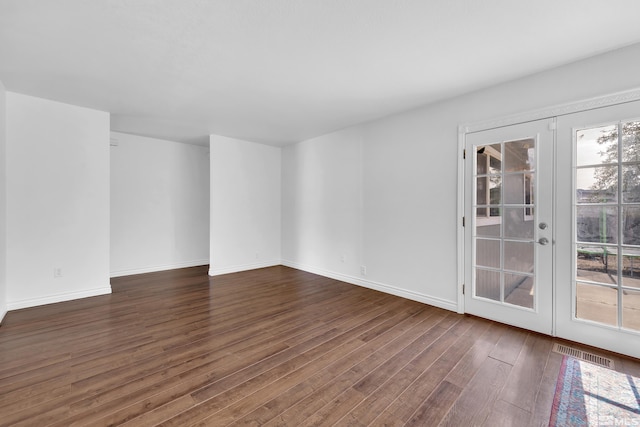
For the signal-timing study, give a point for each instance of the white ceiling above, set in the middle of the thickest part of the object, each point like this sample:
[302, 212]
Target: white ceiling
[281, 71]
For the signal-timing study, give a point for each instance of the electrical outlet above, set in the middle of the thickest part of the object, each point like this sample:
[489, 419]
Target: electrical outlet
[363, 270]
[343, 258]
[257, 255]
[57, 272]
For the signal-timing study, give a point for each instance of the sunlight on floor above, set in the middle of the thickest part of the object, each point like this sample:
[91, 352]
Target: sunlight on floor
[609, 397]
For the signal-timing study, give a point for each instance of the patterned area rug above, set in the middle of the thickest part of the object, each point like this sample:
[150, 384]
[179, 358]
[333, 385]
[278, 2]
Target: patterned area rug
[588, 395]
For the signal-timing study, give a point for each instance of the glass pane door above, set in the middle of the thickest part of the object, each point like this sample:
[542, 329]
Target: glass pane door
[508, 243]
[598, 233]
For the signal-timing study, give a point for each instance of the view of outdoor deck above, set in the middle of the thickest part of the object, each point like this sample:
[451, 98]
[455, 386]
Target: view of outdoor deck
[600, 303]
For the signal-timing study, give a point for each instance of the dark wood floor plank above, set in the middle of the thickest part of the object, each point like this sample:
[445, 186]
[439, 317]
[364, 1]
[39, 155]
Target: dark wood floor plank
[386, 390]
[471, 362]
[243, 357]
[428, 370]
[505, 414]
[222, 394]
[546, 391]
[509, 346]
[344, 391]
[406, 330]
[476, 401]
[528, 369]
[273, 347]
[325, 385]
[352, 369]
[436, 406]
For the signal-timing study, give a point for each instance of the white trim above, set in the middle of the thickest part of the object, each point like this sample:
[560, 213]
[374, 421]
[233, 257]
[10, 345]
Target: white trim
[154, 268]
[553, 111]
[244, 267]
[554, 233]
[2, 315]
[460, 214]
[382, 287]
[67, 296]
[573, 290]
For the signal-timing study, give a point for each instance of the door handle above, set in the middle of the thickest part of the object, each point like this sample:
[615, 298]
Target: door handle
[543, 241]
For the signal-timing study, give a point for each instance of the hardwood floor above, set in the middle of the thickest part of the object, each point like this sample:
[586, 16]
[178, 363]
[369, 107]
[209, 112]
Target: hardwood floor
[275, 347]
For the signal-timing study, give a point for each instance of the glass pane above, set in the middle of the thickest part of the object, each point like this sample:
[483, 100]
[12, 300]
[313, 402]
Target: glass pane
[494, 182]
[631, 184]
[631, 310]
[481, 190]
[597, 224]
[631, 267]
[495, 188]
[529, 193]
[488, 253]
[595, 264]
[518, 189]
[481, 164]
[514, 189]
[597, 303]
[597, 145]
[515, 225]
[519, 155]
[495, 165]
[518, 256]
[494, 152]
[487, 227]
[631, 142]
[597, 185]
[518, 290]
[488, 284]
[631, 225]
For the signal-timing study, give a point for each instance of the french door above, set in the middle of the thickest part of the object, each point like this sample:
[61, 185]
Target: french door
[509, 225]
[552, 233]
[598, 252]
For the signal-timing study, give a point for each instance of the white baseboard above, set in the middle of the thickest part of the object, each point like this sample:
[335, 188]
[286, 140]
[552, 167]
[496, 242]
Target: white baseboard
[216, 271]
[2, 314]
[154, 268]
[33, 302]
[382, 287]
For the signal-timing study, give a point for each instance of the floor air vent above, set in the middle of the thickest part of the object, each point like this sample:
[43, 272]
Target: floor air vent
[584, 355]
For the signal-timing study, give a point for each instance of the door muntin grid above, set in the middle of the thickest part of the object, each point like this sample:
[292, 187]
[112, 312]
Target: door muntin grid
[504, 227]
[606, 215]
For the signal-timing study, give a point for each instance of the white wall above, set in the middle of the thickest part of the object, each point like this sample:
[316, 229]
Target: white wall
[245, 205]
[57, 201]
[3, 203]
[159, 205]
[322, 210]
[408, 217]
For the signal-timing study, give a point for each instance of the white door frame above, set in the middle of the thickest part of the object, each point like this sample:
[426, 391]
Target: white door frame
[544, 113]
